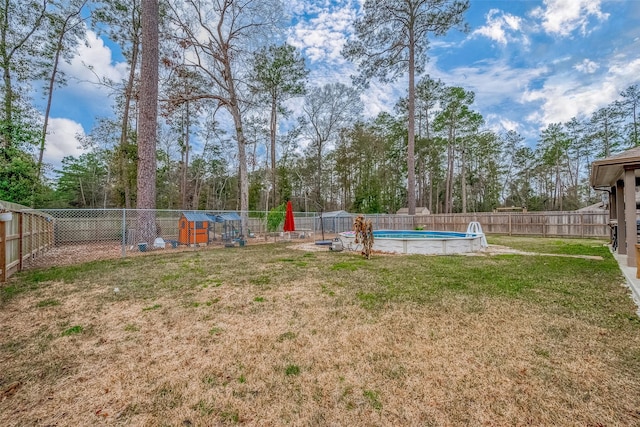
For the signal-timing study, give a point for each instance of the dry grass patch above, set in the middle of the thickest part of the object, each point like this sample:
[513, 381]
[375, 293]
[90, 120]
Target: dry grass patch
[333, 340]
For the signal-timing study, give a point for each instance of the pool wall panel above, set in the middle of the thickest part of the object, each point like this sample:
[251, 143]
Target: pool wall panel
[441, 245]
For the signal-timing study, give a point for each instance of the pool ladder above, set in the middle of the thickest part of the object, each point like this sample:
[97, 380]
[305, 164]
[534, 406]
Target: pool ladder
[474, 227]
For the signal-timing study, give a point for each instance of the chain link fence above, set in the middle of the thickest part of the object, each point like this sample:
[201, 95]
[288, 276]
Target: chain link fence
[109, 233]
[111, 229]
[175, 227]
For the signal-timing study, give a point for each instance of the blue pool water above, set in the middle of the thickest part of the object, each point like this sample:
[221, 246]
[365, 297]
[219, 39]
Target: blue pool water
[417, 234]
[412, 234]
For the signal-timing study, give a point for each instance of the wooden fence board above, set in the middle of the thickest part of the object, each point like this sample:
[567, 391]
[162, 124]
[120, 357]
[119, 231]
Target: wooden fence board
[557, 224]
[27, 235]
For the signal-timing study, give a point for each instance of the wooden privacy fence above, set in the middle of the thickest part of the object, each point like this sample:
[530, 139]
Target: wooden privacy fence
[545, 224]
[24, 234]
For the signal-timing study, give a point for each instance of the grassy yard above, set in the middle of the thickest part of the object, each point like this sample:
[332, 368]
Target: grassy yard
[271, 335]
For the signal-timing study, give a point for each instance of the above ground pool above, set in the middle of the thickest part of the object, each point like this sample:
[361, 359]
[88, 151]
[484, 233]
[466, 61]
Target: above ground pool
[421, 242]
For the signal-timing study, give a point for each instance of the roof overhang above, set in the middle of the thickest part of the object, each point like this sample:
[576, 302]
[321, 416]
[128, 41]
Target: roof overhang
[606, 172]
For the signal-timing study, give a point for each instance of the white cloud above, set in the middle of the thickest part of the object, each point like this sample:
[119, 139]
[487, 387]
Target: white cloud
[62, 140]
[626, 72]
[380, 97]
[587, 66]
[309, 7]
[509, 124]
[84, 97]
[562, 17]
[562, 59]
[493, 82]
[564, 96]
[321, 38]
[499, 124]
[92, 63]
[512, 21]
[499, 26]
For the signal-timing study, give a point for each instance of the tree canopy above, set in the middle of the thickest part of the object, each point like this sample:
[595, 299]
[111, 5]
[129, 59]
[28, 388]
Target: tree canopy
[241, 125]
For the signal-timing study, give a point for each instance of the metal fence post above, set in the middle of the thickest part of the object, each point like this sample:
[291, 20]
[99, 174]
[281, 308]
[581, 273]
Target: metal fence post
[20, 239]
[3, 250]
[124, 233]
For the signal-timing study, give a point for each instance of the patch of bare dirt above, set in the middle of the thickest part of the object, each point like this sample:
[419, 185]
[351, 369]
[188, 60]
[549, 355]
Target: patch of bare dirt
[75, 254]
[71, 254]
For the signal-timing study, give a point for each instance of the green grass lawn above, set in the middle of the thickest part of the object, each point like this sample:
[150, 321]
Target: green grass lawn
[269, 334]
[551, 245]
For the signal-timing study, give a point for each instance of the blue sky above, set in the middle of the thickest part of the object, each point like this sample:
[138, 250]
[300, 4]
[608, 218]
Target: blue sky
[529, 62]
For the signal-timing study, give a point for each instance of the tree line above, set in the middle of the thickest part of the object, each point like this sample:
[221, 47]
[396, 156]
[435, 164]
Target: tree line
[241, 127]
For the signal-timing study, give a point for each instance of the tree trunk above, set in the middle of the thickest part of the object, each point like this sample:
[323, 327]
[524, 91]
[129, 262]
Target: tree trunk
[84, 199]
[52, 80]
[272, 129]
[448, 197]
[234, 110]
[431, 191]
[635, 126]
[420, 182]
[463, 179]
[195, 201]
[47, 112]
[105, 187]
[411, 170]
[319, 175]
[607, 149]
[124, 130]
[6, 78]
[242, 175]
[185, 164]
[146, 198]
[6, 55]
[559, 191]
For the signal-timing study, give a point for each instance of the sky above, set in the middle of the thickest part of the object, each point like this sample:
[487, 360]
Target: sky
[529, 62]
